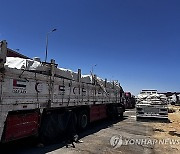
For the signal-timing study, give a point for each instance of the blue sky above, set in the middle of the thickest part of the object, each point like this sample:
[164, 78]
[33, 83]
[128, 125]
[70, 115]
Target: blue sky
[134, 41]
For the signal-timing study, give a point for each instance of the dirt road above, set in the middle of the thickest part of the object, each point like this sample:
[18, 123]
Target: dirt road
[123, 136]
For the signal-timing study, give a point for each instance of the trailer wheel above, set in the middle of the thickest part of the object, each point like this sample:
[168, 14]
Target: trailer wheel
[46, 130]
[83, 120]
[121, 115]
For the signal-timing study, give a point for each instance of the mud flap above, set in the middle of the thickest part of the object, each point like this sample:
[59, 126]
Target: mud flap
[20, 125]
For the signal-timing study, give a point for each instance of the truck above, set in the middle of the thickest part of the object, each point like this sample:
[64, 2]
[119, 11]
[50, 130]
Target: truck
[174, 99]
[39, 98]
[129, 100]
[151, 104]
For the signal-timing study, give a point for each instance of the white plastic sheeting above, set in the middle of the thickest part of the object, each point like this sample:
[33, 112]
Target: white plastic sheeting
[20, 63]
[173, 98]
[29, 64]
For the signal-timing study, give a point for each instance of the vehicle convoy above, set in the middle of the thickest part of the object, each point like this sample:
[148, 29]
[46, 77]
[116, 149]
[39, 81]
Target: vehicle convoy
[151, 104]
[129, 100]
[38, 98]
[174, 99]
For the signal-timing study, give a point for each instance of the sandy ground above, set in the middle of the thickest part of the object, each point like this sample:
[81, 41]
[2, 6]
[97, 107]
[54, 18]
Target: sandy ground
[106, 137]
[168, 131]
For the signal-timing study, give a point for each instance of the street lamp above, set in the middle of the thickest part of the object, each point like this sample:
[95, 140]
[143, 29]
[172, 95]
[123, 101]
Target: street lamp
[93, 67]
[47, 43]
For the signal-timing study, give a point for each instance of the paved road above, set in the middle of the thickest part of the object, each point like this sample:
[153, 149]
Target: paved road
[97, 139]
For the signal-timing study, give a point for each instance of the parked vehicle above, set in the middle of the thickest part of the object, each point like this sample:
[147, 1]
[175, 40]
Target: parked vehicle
[129, 100]
[38, 98]
[151, 104]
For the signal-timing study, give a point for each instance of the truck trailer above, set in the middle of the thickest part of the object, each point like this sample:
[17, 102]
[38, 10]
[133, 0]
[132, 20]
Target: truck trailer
[150, 104]
[39, 98]
[129, 100]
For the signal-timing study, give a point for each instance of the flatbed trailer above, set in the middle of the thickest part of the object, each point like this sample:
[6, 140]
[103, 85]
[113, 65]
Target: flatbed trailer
[38, 98]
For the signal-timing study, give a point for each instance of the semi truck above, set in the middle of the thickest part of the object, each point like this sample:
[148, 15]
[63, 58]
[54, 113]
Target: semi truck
[151, 104]
[129, 100]
[39, 98]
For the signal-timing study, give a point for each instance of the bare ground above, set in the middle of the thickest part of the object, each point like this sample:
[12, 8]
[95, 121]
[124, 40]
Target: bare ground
[96, 139]
[170, 130]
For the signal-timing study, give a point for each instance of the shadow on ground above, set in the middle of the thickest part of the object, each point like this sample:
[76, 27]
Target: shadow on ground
[29, 145]
[153, 120]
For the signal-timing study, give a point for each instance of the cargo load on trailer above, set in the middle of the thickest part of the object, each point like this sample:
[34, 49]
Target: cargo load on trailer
[174, 99]
[39, 98]
[151, 104]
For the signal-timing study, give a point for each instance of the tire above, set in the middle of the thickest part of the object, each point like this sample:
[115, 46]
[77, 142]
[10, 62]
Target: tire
[47, 130]
[112, 112]
[121, 115]
[53, 127]
[83, 120]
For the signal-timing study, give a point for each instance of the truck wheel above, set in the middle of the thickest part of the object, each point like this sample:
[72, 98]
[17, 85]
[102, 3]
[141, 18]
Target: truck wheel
[47, 133]
[52, 128]
[121, 115]
[83, 120]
